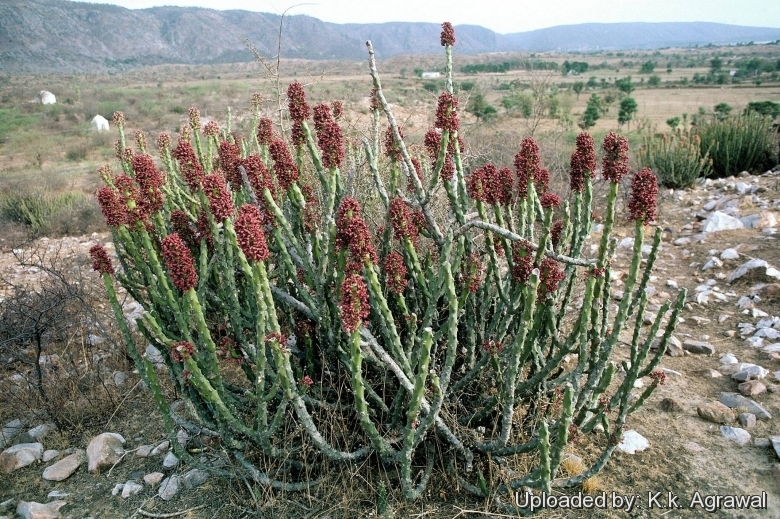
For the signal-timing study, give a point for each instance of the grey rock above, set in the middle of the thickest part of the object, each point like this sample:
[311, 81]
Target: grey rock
[737, 401]
[131, 488]
[33, 510]
[194, 478]
[698, 347]
[54, 494]
[64, 468]
[775, 441]
[729, 254]
[713, 263]
[10, 431]
[719, 221]
[761, 442]
[154, 355]
[632, 442]
[170, 460]
[754, 342]
[161, 448]
[49, 455]
[747, 420]
[39, 432]
[144, 450]
[728, 359]
[768, 333]
[739, 436]
[746, 371]
[117, 489]
[104, 450]
[758, 269]
[752, 388]
[169, 487]
[20, 455]
[693, 447]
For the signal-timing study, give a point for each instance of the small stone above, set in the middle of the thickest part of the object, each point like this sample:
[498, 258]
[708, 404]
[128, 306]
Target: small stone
[737, 401]
[698, 347]
[775, 441]
[170, 460]
[670, 405]
[194, 478]
[762, 443]
[754, 342]
[160, 449]
[768, 333]
[672, 284]
[728, 359]
[49, 455]
[746, 371]
[632, 442]
[20, 455]
[729, 254]
[54, 494]
[153, 479]
[710, 373]
[758, 270]
[739, 436]
[41, 431]
[747, 420]
[719, 221]
[752, 388]
[117, 489]
[64, 468]
[143, 451]
[10, 431]
[131, 488]
[33, 510]
[169, 487]
[715, 412]
[104, 450]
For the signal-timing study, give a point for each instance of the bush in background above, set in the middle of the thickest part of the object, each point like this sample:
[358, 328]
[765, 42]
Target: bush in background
[737, 144]
[676, 159]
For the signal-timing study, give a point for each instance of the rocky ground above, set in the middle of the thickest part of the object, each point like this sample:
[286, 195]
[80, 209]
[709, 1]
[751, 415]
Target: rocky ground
[711, 429]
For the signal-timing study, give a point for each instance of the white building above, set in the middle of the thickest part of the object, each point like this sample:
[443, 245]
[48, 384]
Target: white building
[47, 98]
[431, 75]
[99, 123]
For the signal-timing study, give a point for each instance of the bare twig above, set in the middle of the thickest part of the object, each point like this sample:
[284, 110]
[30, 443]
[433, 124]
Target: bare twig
[144, 513]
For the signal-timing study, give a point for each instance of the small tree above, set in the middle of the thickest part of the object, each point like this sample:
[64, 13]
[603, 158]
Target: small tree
[673, 123]
[578, 87]
[654, 81]
[592, 113]
[625, 85]
[647, 67]
[722, 111]
[479, 107]
[628, 108]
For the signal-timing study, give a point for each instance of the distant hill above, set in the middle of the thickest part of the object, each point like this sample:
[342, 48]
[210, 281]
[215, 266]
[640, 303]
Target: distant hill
[65, 36]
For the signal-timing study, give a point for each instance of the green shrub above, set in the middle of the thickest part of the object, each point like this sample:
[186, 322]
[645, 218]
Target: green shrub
[38, 211]
[768, 108]
[676, 159]
[737, 144]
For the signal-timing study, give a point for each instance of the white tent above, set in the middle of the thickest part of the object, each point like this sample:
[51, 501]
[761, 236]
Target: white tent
[47, 98]
[99, 123]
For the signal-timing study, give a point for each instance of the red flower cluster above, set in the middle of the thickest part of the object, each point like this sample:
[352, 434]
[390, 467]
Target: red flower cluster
[100, 260]
[644, 192]
[182, 350]
[163, 142]
[556, 233]
[432, 143]
[140, 140]
[392, 148]
[354, 302]
[114, 211]
[128, 196]
[401, 220]
[250, 234]
[277, 337]
[550, 275]
[194, 114]
[230, 159]
[220, 203]
[297, 136]
[353, 233]
[583, 162]
[447, 34]
[447, 113]
[395, 273]
[265, 131]
[541, 181]
[284, 167]
[118, 119]
[211, 129]
[150, 180]
[492, 347]
[527, 165]
[329, 137]
[448, 169]
[477, 185]
[259, 177]
[180, 224]
[189, 165]
[296, 102]
[311, 214]
[522, 261]
[337, 107]
[658, 377]
[474, 272]
[204, 229]
[614, 165]
[179, 262]
[307, 381]
[550, 200]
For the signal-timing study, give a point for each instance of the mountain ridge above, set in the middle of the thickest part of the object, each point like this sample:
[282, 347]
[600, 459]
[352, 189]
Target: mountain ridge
[68, 36]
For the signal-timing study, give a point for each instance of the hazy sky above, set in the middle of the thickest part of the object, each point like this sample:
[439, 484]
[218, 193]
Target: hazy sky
[502, 16]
